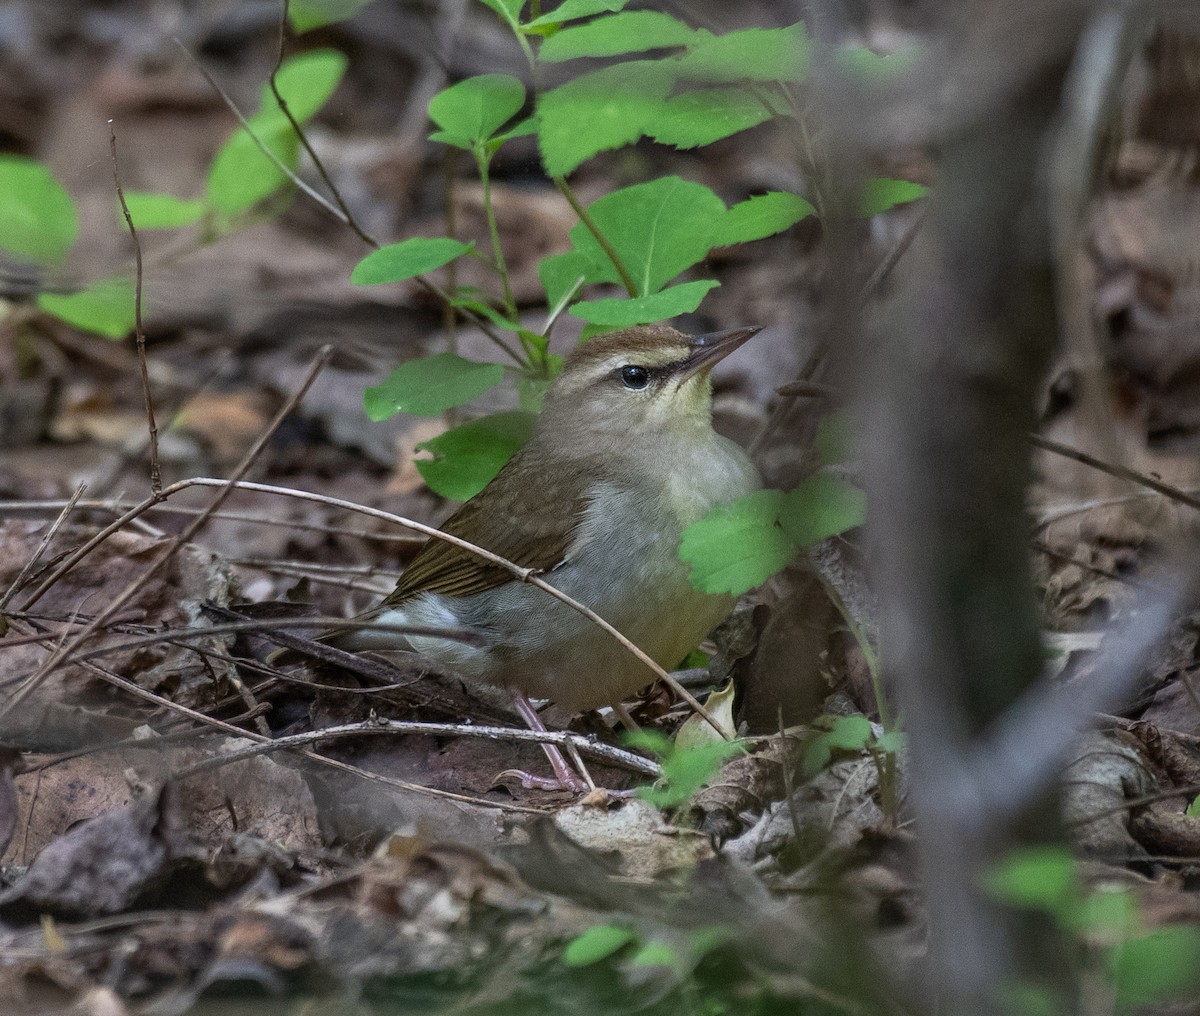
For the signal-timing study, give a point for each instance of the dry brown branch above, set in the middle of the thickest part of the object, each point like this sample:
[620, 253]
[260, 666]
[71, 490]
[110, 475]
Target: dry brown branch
[138, 331]
[226, 487]
[605, 753]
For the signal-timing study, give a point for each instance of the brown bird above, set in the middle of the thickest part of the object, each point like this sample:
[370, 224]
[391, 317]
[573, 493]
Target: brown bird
[622, 459]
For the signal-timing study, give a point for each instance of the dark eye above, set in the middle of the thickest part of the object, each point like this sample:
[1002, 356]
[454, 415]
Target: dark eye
[635, 377]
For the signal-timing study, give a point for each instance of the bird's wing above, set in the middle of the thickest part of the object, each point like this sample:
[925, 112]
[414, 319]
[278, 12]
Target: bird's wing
[528, 531]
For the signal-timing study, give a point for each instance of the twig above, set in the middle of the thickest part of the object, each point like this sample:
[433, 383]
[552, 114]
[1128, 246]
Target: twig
[589, 224]
[41, 547]
[228, 728]
[262, 146]
[347, 217]
[179, 635]
[117, 507]
[521, 574]
[138, 331]
[606, 753]
[333, 210]
[227, 487]
[1121, 472]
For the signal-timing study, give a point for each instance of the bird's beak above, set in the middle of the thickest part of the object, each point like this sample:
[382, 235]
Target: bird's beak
[706, 350]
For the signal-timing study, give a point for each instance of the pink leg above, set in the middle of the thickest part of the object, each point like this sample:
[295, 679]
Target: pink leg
[564, 777]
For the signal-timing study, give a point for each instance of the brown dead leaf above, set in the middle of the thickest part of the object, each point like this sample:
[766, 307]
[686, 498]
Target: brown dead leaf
[103, 866]
[171, 599]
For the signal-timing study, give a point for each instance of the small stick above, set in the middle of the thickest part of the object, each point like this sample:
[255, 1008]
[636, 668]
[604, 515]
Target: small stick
[41, 547]
[211, 721]
[60, 656]
[1121, 472]
[336, 212]
[138, 331]
[521, 574]
[347, 217]
[559, 738]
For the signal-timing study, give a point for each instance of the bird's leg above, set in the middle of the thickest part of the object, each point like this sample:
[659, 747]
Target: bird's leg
[564, 777]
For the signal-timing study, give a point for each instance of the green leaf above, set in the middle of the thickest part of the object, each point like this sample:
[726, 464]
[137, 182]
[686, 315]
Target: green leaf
[739, 545]
[521, 129]
[659, 229]
[466, 458]
[1161, 966]
[686, 770]
[1044, 878]
[621, 313]
[657, 954]
[37, 216]
[1193, 809]
[704, 115]
[845, 733]
[891, 742]
[241, 175]
[821, 507]
[1107, 913]
[473, 110]
[430, 386]
[597, 943]
[602, 109]
[485, 310]
[509, 11]
[560, 272]
[406, 259]
[756, 54]
[306, 82]
[573, 10]
[631, 32]
[308, 14]
[879, 195]
[162, 211]
[106, 308]
[760, 216]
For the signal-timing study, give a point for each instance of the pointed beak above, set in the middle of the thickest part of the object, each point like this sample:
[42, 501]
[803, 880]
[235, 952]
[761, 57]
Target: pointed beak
[706, 350]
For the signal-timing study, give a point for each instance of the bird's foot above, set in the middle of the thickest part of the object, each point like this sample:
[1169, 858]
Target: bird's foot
[560, 781]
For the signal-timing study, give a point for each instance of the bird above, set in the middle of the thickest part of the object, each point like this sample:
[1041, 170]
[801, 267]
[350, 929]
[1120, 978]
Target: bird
[622, 458]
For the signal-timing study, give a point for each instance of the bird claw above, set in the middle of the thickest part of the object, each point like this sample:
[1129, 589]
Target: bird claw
[563, 781]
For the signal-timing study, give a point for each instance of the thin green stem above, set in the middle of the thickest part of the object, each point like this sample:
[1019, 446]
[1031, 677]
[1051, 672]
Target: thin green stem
[626, 279]
[481, 160]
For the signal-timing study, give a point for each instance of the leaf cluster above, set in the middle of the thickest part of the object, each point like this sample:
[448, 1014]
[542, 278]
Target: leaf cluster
[1140, 965]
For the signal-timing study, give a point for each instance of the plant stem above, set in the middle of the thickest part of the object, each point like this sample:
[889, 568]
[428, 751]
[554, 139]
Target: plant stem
[481, 161]
[626, 279]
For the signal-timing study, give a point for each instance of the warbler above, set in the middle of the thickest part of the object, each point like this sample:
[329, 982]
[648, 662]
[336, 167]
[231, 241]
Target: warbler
[622, 458]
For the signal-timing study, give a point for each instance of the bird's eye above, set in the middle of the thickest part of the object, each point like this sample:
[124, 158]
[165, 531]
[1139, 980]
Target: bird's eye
[635, 377]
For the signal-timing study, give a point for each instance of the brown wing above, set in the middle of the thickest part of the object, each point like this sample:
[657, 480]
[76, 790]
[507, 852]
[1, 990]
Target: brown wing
[518, 516]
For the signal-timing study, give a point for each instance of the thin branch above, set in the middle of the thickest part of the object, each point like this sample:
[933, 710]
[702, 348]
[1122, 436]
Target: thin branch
[117, 507]
[485, 180]
[228, 728]
[62, 655]
[336, 212]
[606, 753]
[521, 574]
[138, 331]
[1121, 472]
[347, 217]
[19, 581]
[590, 224]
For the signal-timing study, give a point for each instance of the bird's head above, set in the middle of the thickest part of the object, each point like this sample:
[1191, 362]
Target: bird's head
[651, 378]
